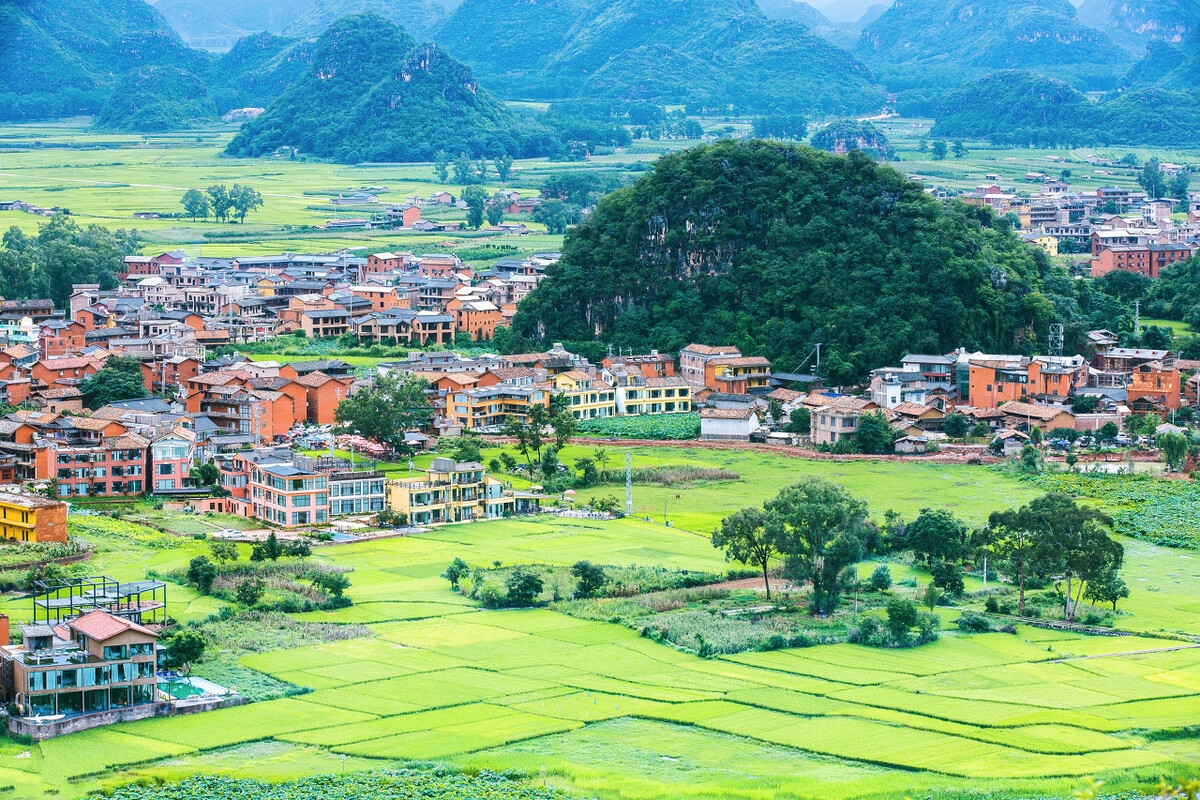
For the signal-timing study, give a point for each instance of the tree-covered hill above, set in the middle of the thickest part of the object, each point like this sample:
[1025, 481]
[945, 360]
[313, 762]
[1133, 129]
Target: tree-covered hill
[845, 135]
[258, 69]
[702, 53]
[155, 99]
[219, 24]
[1016, 107]
[372, 94]
[418, 17]
[62, 58]
[921, 43]
[1133, 23]
[775, 247]
[1167, 65]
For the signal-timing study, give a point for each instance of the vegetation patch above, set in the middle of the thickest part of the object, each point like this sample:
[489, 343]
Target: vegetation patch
[91, 523]
[655, 426]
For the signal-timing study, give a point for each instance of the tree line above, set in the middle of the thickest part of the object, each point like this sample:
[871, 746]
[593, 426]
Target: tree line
[819, 530]
[221, 202]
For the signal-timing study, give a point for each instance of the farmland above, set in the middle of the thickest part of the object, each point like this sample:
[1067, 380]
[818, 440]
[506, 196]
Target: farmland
[608, 713]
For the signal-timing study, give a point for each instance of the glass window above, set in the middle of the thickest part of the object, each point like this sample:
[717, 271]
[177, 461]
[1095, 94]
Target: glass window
[115, 653]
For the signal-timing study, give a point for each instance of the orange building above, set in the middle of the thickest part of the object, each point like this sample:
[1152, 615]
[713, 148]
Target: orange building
[382, 298]
[53, 370]
[58, 338]
[324, 394]
[1154, 387]
[1003, 379]
[737, 375]
[478, 318]
[166, 375]
[651, 365]
[1143, 259]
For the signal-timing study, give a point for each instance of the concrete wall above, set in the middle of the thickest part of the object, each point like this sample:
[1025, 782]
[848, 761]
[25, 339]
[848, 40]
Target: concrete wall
[27, 727]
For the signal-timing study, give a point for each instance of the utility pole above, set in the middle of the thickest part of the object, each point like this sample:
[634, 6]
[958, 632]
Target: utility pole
[1137, 317]
[628, 485]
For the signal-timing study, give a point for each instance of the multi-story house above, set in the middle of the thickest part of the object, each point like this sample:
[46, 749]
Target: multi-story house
[738, 375]
[891, 386]
[585, 396]
[400, 326]
[26, 518]
[1154, 387]
[999, 379]
[491, 406]
[651, 365]
[90, 665]
[288, 496]
[838, 418]
[116, 465]
[171, 458]
[694, 358]
[453, 491]
[356, 492]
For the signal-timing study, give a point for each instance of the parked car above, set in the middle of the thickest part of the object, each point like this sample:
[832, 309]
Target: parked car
[1122, 440]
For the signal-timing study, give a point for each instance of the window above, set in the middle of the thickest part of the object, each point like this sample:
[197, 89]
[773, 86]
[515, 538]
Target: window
[165, 484]
[166, 469]
[115, 653]
[301, 501]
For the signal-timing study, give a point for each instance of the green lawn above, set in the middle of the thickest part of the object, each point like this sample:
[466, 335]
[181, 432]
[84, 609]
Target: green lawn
[610, 714]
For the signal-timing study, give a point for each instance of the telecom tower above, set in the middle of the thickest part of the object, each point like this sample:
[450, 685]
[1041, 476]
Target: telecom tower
[1056, 339]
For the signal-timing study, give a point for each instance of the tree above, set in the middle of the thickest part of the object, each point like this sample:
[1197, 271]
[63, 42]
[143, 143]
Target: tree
[464, 170]
[519, 431]
[467, 447]
[947, 575]
[939, 150]
[384, 412]
[441, 166]
[454, 573]
[494, 210]
[556, 215]
[981, 430]
[548, 464]
[901, 618]
[601, 456]
[591, 578]
[503, 165]
[955, 425]
[1085, 403]
[1107, 588]
[959, 149]
[1152, 180]
[250, 591]
[336, 583]
[523, 587]
[875, 434]
[931, 596]
[936, 534]
[746, 537]
[564, 426]
[207, 473]
[588, 474]
[196, 204]
[184, 648]
[1019, 541]
[775, 409]
[221, 201]
[1109, 431]
[799, 421]
[1174, 447]
[817, 523]
[1074, 543]
[244, 200]
[508, 462]
[880, 580]
[119, 379]
[1178, 187]
[475, 198]
[201, 574]
[223, 551]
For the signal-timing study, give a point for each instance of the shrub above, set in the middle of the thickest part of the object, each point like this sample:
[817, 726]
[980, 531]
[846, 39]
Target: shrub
[901, 617]
[880, 580]
[523, 588]
[970, 622]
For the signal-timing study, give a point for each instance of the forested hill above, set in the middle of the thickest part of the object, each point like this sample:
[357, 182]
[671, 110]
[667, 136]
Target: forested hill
[919, 43]
[775, 247]
[372, 93]
[1136, 22]
[703, 53]
[62, 58]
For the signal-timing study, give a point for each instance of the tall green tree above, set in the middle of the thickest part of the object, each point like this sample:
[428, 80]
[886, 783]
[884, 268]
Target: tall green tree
[119, 379]
[494, 210]
[476, 199]
[441, 166]
[1074, 543]
[196, 203]
[1152, 179]
[939, 150]
[1174, 447]
[385, 411]
[746, 537]
[503, 166]
[218, 195]
[244, 200]
[875, 434]
[464, 169]
[936, 534]
[820, 522]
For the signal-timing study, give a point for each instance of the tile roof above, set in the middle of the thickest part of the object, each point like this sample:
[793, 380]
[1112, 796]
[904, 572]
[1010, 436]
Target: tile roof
[709, 350]
[726, 413]
[102, 626]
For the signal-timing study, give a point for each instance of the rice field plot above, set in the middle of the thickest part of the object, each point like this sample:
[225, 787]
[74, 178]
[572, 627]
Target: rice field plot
[796, 661]
[464, 737]
[375, 612]
[99, 749]
[947, 653]
[1153, 714]
[402, 723]
[591, 706]
[1052, 739]
[240, 723]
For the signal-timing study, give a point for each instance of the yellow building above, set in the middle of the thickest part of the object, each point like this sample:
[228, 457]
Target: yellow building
[670, 395]
[24, 518]
[453, 491]
[1043, 240]
[491, 406]
[585, 397]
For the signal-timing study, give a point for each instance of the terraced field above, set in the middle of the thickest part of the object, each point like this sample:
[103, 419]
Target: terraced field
[604, 712]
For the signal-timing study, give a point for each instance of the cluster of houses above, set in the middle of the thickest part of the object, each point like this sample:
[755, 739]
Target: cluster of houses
[1010, 394]
[1121, 229]
[407, 215]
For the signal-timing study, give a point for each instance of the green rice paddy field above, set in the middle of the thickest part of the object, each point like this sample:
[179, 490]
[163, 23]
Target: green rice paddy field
[603, 712]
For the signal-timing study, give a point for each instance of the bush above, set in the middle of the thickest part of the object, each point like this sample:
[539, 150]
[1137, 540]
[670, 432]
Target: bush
[523, 588]
[880, 580]
[970, 622]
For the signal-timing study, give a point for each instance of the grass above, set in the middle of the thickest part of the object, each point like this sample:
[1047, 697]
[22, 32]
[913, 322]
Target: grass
[611, 714]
